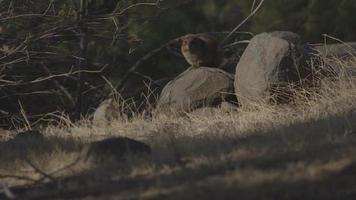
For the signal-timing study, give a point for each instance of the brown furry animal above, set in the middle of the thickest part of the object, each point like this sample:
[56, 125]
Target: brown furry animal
[200, 50]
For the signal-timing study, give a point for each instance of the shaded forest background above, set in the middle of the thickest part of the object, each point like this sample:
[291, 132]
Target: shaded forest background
[56, 58]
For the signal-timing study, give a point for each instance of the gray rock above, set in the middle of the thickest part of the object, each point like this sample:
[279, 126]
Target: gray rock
[269, 63]
[117, 148]
[196, 88]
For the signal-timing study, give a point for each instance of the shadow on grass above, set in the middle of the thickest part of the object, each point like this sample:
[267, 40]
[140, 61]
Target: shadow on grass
[13, 149]
[272, 174]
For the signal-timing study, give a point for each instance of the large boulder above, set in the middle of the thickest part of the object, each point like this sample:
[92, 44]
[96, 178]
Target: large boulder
[196, 88]
[270, 62]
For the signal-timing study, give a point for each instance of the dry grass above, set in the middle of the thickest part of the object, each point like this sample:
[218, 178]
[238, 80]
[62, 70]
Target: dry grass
[301, 151]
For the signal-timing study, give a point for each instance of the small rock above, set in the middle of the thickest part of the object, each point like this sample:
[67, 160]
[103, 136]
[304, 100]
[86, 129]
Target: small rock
[117, 147]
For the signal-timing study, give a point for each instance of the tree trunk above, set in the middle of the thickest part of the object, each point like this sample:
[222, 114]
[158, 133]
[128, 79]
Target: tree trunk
[83, 55]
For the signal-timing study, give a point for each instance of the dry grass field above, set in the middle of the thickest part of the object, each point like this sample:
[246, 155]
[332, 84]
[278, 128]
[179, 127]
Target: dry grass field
[303, 150]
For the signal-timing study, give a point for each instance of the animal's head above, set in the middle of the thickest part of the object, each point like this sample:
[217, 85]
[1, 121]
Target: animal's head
[192, 43]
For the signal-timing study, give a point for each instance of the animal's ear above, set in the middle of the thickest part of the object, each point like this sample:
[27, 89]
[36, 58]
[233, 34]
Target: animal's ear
[198, 41]
[179, 40]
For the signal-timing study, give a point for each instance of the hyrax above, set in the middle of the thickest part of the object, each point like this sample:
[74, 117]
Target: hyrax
[200, 50]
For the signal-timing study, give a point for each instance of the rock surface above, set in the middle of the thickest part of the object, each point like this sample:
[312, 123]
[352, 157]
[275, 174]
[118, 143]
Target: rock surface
[270, 62]
[196, 88]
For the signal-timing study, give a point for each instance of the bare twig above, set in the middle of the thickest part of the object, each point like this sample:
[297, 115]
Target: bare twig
[23, 113]
[141, 61]
[8, 193]
[44, 174]
[253, 5]
[150, 93]
[49, 7]
[41, 79]
[128, 8]
[61, 119]
[72, 164]
[60, 87]
[243, 22]
[28, 93]
[3, 176]
[156, 82]
[27, 15]
[236, 32]
[350, 46]
[236, 43]
[113, 89]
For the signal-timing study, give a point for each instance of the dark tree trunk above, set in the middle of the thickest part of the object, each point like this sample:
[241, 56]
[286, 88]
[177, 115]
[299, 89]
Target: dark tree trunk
[83, 55]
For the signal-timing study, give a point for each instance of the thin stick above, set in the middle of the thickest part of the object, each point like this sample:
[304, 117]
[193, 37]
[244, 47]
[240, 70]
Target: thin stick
[142, 60]
[351, 48]
[23, 113]
[3, 176]
[39, 170]
[75, 162]
[49, 7]
[236, 43]
[8, 193]
[243, 22]
[27, 15]
[41, 79]
[113, 89]
[59, 86]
